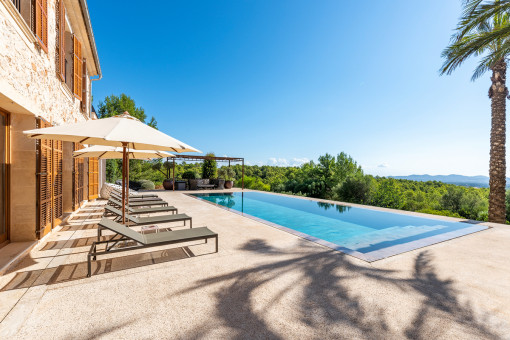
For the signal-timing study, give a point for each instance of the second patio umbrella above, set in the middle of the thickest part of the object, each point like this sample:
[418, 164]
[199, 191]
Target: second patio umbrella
[112, 152]
[120, 131]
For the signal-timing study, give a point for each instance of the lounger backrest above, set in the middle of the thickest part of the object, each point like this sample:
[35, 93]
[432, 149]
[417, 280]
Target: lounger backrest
[119, 213]
[122, 230]
[114, 200]
[113, 210]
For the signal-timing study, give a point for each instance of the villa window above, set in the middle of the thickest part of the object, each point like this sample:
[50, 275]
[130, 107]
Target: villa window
[60, 43]
[41, 23]
[17, 4]
[77, 68]
[24, 7]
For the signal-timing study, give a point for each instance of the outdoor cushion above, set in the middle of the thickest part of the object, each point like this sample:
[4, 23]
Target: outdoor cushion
[143, 240]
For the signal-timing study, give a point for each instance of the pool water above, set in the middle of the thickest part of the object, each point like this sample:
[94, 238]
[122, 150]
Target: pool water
[363, 232]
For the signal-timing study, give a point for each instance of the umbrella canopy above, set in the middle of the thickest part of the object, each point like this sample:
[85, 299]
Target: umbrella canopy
[111, 152]
[121, 130]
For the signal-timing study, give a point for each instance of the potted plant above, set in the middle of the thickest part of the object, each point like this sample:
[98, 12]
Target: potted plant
[229, 175]
[209, 167]
[164, 168]
[189, 175]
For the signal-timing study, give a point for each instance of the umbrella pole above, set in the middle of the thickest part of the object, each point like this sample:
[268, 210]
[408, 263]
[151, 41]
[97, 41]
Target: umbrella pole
[127, 189]
[173, 174]
[123, 183]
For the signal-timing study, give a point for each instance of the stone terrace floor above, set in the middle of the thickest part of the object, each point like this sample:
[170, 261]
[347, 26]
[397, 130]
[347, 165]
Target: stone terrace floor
[263, 283]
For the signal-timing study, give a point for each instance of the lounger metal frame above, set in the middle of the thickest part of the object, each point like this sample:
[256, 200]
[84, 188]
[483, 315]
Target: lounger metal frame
[93, 253]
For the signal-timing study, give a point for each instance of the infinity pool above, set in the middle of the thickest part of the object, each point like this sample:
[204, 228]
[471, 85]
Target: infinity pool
[365, 233]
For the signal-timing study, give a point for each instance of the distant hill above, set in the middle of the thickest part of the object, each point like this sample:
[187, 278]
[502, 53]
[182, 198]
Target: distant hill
[468, 181]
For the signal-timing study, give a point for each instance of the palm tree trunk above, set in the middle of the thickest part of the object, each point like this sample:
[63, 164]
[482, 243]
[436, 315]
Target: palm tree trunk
[497, 172]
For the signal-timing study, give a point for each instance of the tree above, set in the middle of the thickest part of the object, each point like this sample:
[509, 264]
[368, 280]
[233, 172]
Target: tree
[209, 167]
[356, 189]
[481, 32]
[115, 105]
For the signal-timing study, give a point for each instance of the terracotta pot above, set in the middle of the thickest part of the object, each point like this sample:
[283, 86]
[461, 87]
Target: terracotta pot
[229, 184]
[168, 184]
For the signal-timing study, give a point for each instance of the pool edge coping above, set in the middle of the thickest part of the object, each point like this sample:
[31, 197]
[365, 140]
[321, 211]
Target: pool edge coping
[368, 257]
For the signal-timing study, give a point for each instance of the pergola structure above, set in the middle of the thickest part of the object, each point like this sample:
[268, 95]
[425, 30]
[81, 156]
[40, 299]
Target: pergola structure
[202, 158]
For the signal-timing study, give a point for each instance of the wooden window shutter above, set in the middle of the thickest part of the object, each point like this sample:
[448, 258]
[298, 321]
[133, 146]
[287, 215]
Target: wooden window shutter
[77, 68]
[61, 30]
[93, 178]
[44, 183]
[78, 173]
[41, 23]
[58, 202]
[50, 203]
[84, 88]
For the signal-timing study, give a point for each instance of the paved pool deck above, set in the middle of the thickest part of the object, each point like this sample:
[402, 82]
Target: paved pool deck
[264, 283]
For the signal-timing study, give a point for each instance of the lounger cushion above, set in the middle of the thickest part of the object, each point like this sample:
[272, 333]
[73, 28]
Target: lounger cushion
[175, 235]
[151, 219]
[122, 230]
[159, 218]
[155, 238]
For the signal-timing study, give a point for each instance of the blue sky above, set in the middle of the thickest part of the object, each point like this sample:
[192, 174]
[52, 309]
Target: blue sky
[282, 82]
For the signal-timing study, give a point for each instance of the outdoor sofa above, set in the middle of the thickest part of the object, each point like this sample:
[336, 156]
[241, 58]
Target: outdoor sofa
[123, 233]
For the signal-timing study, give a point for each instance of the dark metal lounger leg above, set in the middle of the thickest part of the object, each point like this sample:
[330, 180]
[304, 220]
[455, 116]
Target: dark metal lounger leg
[216, 243]
[89, 270]
[190, 223]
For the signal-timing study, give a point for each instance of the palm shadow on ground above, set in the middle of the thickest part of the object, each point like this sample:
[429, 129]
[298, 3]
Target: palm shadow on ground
[331, 308]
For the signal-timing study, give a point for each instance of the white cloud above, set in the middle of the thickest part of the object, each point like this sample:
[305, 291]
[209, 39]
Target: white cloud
[299, 161]
[383, 165]
[278, 161]
[285, 162]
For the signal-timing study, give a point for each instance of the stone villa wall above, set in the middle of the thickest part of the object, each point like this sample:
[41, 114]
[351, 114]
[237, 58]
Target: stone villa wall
[29, 81]
[31, 73]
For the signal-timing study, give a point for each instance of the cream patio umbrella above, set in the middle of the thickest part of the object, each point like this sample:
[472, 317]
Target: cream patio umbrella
[112, 152]
[120, 131]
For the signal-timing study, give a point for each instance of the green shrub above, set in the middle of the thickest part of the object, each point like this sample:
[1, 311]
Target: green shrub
[227, 173]
[253, 183]
[147, 185]
[440, 212]
[209, 167]
[189, 174]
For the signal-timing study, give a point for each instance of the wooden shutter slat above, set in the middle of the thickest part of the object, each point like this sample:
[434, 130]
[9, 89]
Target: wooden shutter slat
[78, 178]
[61, 28]
[44, 183]
[49, 183]
[41, 23]
[84, 88]
[77, 68]
[57, 157]
[93, 178]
